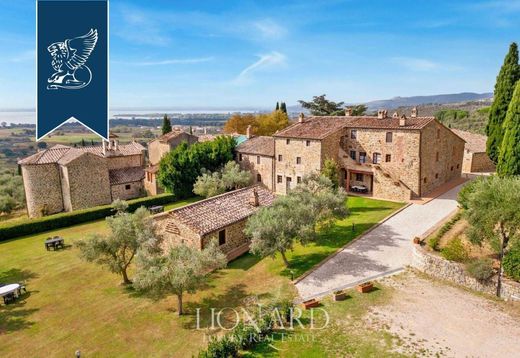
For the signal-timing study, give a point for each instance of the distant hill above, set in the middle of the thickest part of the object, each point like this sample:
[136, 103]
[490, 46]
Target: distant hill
[397, 102]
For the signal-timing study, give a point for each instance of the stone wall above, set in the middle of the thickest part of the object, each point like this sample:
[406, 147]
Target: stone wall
[235, 239]
[441, 156]
[127, 191]
[42, 189]
[265, 168]
[443, 269]
[151, 185]
[311, 159]
[88, 182]
[479, 163]
[386, 187]
[156, 150]
[127, 161]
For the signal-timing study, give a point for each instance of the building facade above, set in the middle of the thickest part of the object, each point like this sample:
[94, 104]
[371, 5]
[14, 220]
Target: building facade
[395, 157]
[476, 159]
[64, 178]
[221, 219]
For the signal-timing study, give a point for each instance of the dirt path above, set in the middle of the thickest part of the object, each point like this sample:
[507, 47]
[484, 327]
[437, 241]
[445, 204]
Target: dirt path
[434, 319]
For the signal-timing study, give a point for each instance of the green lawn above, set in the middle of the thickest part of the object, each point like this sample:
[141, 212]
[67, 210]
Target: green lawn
[76, 305]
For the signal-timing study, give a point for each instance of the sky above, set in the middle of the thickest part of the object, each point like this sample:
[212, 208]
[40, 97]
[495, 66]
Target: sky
[239, 53]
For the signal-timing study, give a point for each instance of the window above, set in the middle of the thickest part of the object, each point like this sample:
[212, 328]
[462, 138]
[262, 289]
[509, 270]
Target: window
[258, 178]
[376, 158]
[451, 168]
[127, 187]
[240, 157]
[287, 141]
[389, 137]
[280, 157]
[288, 181]
[298, 160]
[279, 179]
[222, 237]
[437, 156]
[388, 158]
[353, 154]
[298, 180]
[353, 134]
[436, 175]
[362, 157]
[425, 180]
[359, 177]
[438, 133]
[308, 143]
[458, 166]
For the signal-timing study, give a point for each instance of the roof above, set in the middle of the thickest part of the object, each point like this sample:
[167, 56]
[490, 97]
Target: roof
[152, 168]
[475, 143]
[171, 135]
[220, 211]
[261, 145]
[320, 127]
[125, 175]
[63, 154]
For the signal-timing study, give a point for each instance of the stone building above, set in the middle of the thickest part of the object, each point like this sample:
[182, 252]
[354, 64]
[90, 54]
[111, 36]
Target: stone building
[157, 149]
[476, 159]
[64, 178]
[221, 218]
[395, 157]
[256, 154]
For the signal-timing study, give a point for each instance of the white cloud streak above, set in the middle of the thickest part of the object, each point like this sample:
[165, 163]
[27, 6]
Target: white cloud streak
[415, 64]
[265, 61]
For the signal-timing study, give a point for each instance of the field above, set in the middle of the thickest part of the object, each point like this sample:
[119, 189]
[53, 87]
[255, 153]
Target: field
[76, 305]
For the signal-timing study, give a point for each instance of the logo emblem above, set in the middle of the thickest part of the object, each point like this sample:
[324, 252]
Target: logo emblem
[69, 60]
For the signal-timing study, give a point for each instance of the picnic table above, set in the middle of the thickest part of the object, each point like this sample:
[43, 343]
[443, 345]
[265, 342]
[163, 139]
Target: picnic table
[10, 292]
[55, 242]
[156, 209]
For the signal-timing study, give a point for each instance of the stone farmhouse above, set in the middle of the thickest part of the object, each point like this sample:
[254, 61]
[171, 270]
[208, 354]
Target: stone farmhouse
[157, 149]
[476, 159]
[64, 178]
[221, 218]
[396, 158]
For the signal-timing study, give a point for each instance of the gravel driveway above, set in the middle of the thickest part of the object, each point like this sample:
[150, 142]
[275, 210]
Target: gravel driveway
[384, 250]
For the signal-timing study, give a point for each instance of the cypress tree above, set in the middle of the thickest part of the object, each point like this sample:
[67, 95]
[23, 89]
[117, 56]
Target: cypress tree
[504, 87]
[509, 159]
[277, 107]
[82, 142]
[283, 108]
[166, 125]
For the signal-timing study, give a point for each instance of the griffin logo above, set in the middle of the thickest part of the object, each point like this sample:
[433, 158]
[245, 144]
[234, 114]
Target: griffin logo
[69, 60]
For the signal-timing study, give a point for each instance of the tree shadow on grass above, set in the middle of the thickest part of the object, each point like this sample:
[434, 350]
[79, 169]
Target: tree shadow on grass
[14, 319]
[244, 262]
[16, 275]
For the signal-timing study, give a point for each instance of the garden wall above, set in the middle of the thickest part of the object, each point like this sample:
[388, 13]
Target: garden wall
[443, 269]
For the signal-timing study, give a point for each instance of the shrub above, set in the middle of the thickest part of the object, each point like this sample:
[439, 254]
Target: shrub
[511, 262]
[481, 269]
[16, 228]
[455, 251]
[433, 242]
[224, 347]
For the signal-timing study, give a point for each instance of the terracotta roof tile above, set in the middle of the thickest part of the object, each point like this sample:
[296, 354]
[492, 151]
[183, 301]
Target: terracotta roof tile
[219, 211]
[475, 143]
[320, 127]
[125, 175]
[171, 135]
[261, 145]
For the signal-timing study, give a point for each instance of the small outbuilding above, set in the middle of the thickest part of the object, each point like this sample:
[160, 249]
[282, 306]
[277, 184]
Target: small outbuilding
[475, 159]
[221, 218]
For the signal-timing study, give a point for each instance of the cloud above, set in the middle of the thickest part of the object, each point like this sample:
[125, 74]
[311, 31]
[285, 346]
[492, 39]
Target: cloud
[415, 64]
[268, 28]
[174, 61]
[265, 61]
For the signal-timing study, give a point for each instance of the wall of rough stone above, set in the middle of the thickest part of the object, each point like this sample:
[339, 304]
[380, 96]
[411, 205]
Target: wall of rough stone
[330, 147]
[481, 163]
[127, 161]
[151, 185]
[235, 239]
[265, 168]
[386, 187]
[121, 191]
[436, 138]
[175, 232]
[65, 188]
[88, 181]
[156, 150]
[42, 189]
[443, 269]
[311, 159]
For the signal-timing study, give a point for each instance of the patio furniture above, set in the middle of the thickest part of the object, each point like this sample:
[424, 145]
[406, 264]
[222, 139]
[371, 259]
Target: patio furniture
[9, 292]
[54, 243]
[359, 189]
[156, 209]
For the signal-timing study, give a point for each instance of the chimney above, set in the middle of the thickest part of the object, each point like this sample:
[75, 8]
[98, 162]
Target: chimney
[395, 115]
[382, 114]
[414, 112]
[402, 121]
[116, 144]
[248, 132]
[205, 130]
[253, 200]
[301, 118]
[104, 147]
[348, 112]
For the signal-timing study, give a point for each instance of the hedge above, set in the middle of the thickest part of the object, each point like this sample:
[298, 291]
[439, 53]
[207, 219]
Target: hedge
[12, 229]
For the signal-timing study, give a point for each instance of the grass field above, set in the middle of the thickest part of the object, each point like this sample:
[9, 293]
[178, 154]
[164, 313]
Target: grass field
[76, 305]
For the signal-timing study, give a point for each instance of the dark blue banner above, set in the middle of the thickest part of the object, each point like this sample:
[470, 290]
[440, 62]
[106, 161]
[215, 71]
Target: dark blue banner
[72, 65]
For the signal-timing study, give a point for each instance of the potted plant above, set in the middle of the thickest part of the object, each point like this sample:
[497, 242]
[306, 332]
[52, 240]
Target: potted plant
[310, 303]
[365, 287]
[339, 295]
[417, 240]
